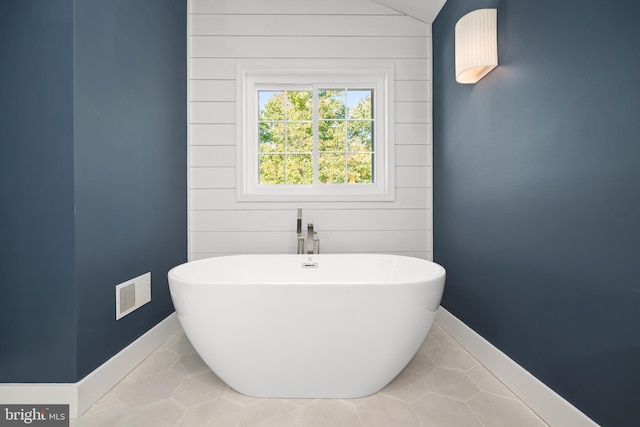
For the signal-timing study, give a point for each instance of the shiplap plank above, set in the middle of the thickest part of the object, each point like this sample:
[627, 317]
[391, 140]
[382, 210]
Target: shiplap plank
[212, 156]
[290, 7]
[243, 220]
[379, 241]
[242, 242]
[194, 256]
[413, 133]
[413, 155]
[213, 112]
[330, 241]
[372, 220]
[324, 219]
[413, 69]
[413, 112]
[212, 177]
[308, 47]
[412, 91]
[212, 90]
[212, 134]
[413, 177]
[212, 68]
[225, 68]
[225, 199]
[307, 25]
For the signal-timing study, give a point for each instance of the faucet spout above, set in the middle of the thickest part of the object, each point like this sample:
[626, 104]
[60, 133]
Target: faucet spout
[308, 244]
[310, 240]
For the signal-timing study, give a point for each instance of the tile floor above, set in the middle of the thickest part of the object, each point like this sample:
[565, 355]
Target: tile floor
[443, 386]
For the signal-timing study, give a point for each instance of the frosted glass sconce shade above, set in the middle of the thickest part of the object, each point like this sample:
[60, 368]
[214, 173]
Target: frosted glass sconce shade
[476, 45]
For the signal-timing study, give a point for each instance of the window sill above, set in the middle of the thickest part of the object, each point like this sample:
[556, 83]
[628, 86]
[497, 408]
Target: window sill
[323, 193]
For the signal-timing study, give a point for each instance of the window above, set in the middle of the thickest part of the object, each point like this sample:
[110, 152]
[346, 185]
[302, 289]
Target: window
[289, 120]
[321, 135]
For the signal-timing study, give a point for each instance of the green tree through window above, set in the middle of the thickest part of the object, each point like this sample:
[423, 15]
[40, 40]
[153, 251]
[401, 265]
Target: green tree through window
[335, 133]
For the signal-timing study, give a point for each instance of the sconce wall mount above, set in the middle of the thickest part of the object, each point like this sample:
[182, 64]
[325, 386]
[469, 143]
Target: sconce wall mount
[476, 42]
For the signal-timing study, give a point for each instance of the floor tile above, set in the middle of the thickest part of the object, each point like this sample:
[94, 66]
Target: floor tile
[272, 413]
[151, 389]
[330, 413]
[443, 385]
[434, 410]
[498, 411]
[198, 389]
[487, 382]
[239, 398]
[451, 383]
[103, 415]
[215, 413]
[182, 345]
[189, 364]
[164, 413]
[382, 411]
[158, 362]
[408, 387]
[441, 337]
[451, 357]
[420, 363]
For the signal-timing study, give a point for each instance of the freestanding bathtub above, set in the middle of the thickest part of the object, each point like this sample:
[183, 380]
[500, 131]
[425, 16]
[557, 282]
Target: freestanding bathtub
[307, 326]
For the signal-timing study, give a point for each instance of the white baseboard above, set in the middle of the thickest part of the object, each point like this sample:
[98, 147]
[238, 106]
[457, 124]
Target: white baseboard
[81, 395]
[549, 405]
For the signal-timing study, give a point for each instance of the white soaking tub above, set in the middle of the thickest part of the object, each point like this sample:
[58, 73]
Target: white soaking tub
[307, 326]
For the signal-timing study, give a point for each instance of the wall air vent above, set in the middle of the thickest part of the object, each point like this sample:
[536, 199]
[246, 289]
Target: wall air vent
[127, 297]
[132, 294]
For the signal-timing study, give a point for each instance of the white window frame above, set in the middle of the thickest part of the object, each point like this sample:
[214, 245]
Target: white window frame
[253, 77]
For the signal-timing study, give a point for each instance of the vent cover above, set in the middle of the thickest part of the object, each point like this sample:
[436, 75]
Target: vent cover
[132, 294]
[127, 297]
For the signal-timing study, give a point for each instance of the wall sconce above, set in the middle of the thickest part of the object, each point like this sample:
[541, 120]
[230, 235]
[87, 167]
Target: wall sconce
[476, 45]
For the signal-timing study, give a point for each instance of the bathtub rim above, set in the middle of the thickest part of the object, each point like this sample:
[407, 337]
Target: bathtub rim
[439, 272]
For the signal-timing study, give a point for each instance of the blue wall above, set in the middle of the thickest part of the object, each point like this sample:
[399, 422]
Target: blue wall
[130, 163]
[38, 302]
[537, 195]
[94, 177]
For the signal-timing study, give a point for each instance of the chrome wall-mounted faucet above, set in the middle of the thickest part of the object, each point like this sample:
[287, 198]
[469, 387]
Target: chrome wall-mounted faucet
[311, 239]
[308, 244]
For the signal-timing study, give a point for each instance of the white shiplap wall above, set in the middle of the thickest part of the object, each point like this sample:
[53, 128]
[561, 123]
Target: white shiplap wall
[223, 32]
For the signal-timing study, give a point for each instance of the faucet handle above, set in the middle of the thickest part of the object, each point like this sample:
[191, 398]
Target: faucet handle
[310, 240]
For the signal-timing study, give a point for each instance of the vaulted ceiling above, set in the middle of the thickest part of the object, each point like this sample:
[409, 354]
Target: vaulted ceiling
[424, 10]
